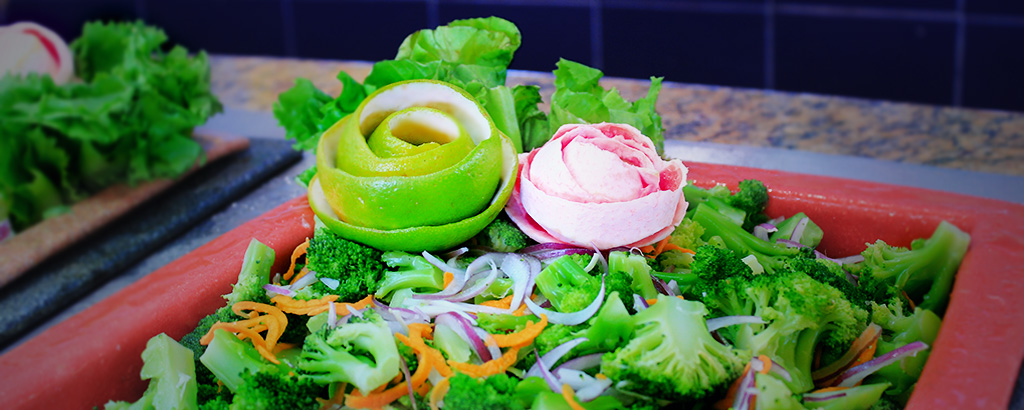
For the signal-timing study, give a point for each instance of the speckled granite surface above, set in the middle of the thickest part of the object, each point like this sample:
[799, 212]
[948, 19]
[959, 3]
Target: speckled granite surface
[975, 140]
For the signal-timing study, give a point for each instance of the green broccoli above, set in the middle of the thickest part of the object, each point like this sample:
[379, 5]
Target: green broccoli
[172, 377]
[862, 397]
[608, 330]
[549, 400]
[266, 390]
[361, 352]
[773, 394]
[637, 269]
[672, 356]
[494, 392]
[770, 255]
[925, 271]
[408, 271]
[801, 314]
[344, 268]
[900, 329]
[745, 208]
[501, 235]
[810, 237]
[256, 266]
[191, 340]
[567, 286]
[228, 357]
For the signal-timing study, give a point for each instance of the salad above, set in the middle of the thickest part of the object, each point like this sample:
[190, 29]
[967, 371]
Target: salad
[471, 251]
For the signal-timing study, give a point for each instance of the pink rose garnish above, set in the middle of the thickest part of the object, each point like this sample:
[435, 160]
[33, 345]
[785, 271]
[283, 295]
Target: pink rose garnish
[600, 185]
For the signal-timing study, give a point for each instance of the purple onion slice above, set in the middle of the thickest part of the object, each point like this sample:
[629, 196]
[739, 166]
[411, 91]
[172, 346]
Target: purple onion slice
[857, 373]
[573, 318]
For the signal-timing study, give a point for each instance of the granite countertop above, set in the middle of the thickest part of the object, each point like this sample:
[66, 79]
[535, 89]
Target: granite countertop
[964, 139]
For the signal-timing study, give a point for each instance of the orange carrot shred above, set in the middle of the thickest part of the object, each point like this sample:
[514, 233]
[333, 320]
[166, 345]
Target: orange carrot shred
[647, 249]
[828, 389]
[570, 397]
[296, 254]
[661, 247]
[489, 368]
[910, 302]
[385, 397]
[730, 395]
[674, 247]
[437, 393]
[448, 278]
[522, 337]
[503, 303]
[767, 364]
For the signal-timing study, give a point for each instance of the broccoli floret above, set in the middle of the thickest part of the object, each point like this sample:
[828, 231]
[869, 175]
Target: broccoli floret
[672, 356]
[172, 377]
[265, 390]
[925, 271]
[256, 266]
[885, 404]
[608, 330]
[296, 331]
[228, 357]
[745, 208]
[493, 392]
[900, 329]
[361, 353]
[567, 285]
[832, 274]
[810, 237]
[638, 270]
[773, 394]
[863, 397]
[408, 271]
[801, 314]
[501, 235]
[502, 323]
[770, 255]
[549, 400]
[191, 340]
[344, 268]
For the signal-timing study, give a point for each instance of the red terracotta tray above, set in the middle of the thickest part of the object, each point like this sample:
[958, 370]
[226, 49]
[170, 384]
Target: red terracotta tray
[95, 356]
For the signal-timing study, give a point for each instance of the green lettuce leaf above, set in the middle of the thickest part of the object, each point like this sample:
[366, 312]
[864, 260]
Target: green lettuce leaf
[130, 120]
[579, 98]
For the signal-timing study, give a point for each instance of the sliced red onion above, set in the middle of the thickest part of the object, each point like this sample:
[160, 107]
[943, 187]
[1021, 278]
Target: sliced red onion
[725, 321]
[520, 269]
[850, 260]
[547, 246]
[479, 285]
[492, 345]
[857, 373]
[573, 318]
[862, 343]
[781, 371]
[274, 290]
[673, 287]
[276, 279]
[330, 283]
[584, 362]
[554, 355]
[459, 279]
[592, 264]
[601, 259]
[432, 308]
[662, 287]
[558, 253]
[639, 303]
[400, 313]
[355, 312]
[546, 374]
[408, 380]
[308, 279]
[453, 256]
[587, 387]
[465, 331]
[746, 392]
[761, 231]
[791, 244]
[824, 396]
[332, 315]
[820, 255]
[798, 231]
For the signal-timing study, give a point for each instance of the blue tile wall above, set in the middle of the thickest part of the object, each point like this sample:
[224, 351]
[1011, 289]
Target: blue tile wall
[355, 30]
[947, 52]
[896, 60]
[682, 45]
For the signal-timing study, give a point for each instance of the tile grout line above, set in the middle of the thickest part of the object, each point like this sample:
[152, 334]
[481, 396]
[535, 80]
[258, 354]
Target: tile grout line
[769, 44]
[596, 35]
[959, 53]
[288, 28]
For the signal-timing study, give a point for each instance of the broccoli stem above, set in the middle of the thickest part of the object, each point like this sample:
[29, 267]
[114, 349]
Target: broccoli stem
[562, 278]
[739, 240]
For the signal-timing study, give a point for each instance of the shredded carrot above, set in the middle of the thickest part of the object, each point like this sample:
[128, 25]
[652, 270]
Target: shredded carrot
[489, 368]
[910, 301]
[448, 278]
[296, 254]
[521, 311]
[424, 389]
[600, 376]
[438, 393]
[674, 247]
[647, 250]
[417, 331]
[385, 397]
[522, 337]
[301, 273]
[767, 364]
[828, 389]
[651, 302]
[730, 395]
[302, 307]
[661, 247]
[570, 397]
[503, 303]
[273, 321]
[336, 400]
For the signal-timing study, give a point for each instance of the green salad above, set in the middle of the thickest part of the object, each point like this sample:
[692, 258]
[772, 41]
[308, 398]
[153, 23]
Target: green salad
[579, 270]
